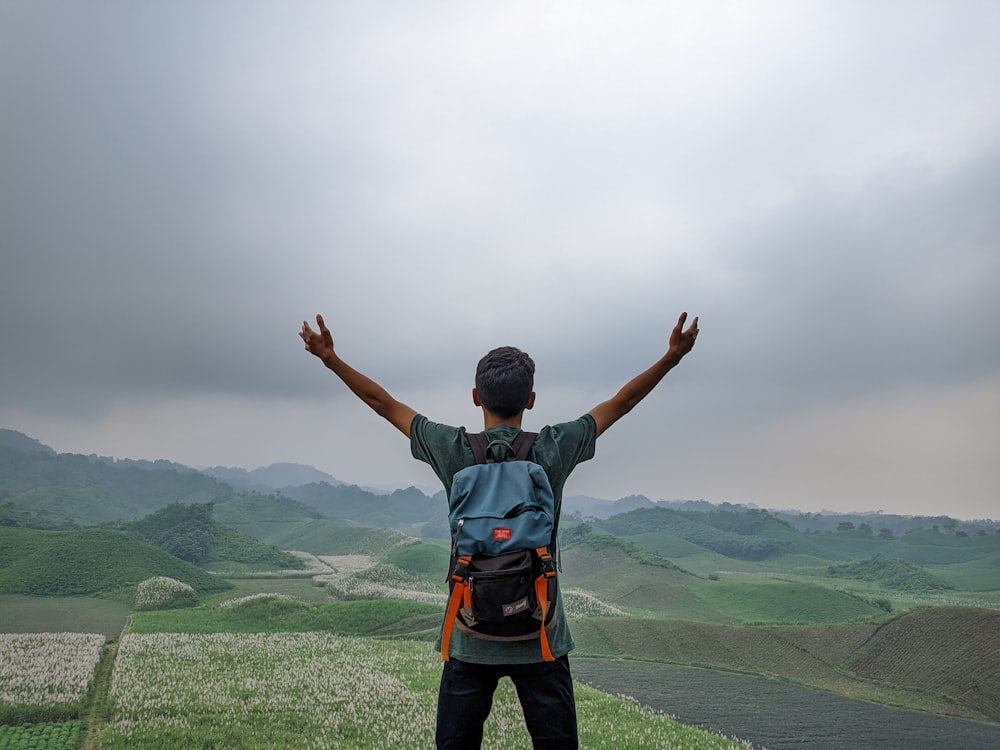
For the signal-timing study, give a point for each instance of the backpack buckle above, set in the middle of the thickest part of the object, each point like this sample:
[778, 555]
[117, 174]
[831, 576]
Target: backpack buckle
[548, 563]
[460, 572]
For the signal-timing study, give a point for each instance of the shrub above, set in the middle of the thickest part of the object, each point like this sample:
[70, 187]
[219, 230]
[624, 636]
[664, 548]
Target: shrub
[164, 593]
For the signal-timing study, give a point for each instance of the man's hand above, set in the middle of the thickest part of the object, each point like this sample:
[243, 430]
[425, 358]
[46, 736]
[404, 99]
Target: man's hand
[681, 341]
[608, 412]
[320, 344]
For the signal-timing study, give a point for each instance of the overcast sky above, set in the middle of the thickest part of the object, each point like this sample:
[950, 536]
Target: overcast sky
[182, 183]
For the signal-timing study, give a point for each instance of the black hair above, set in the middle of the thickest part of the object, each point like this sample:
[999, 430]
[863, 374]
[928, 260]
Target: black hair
[505, 378]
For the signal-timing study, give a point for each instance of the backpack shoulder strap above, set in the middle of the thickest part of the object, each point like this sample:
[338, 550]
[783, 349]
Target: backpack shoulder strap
[521, 446]
[478, 442]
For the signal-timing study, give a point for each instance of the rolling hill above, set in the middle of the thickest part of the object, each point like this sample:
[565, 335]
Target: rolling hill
[191, 533]
[90, 561]
[41, 488]
[953, 651]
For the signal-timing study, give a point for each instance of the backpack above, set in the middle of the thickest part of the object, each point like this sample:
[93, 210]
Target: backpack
[503, 574]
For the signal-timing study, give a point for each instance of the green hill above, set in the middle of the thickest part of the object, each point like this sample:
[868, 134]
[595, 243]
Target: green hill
[423, 559]
[264, 516]
[736, 534]
[90, 490]
[890, 573]
[191, 533]
[292, 525]
[768, 600]
[90, 561]
[928, 547]
[403, 509]
[623, 575]
[953, 651]
[941, 660]
[326, 537]
[21, 442]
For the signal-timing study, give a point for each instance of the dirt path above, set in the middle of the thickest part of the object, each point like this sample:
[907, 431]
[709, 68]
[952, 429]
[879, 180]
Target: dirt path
[96, 713]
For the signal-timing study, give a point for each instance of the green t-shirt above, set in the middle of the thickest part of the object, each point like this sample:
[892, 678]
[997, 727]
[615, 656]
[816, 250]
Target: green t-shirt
[557, 449]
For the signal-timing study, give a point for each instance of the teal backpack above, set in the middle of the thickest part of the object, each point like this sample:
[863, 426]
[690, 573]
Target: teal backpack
[503, 573]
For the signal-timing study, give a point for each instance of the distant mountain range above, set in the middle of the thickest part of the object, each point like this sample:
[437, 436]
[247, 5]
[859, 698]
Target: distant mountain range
[271, 478]
[72, 490]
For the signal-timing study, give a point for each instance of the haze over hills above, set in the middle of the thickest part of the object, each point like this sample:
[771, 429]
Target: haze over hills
[34, 478]
[270, 478]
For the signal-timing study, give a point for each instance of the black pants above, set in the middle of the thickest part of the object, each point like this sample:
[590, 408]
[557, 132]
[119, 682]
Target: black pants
[545, 690]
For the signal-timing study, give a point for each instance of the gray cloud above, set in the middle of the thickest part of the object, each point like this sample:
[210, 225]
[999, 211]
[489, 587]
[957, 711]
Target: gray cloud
[183, 184]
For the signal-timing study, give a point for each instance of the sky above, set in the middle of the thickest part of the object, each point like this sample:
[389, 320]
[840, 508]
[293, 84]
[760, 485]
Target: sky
[182, 184]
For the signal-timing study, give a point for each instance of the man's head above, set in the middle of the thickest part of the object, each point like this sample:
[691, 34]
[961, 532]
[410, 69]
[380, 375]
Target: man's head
[504, 381]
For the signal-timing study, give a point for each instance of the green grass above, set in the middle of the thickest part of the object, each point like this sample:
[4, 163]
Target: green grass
[326, 537]
[927, 547]
[763, 600]
[50, 614]
[945, 650]
[271, 690]
[299, 588]
[799, 655]
[271, 614]
[978, 575]
[613, 573]
[669, 545]
[425, 559]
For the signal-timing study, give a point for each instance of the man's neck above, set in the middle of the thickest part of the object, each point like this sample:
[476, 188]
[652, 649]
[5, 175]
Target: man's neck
[492, 420]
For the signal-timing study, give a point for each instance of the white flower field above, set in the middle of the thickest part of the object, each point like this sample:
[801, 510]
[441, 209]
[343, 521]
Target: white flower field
[312, 690]
[308, 690]
[316, 690]
[303, 690]
[45, 669]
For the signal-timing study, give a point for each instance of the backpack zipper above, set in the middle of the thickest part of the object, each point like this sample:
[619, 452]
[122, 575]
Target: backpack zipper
[458, 533]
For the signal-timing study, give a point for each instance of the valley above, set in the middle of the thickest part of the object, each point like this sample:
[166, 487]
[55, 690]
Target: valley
[778, 629]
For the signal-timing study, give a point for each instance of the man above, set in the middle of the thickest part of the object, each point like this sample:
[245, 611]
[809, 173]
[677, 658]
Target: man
[504, 390]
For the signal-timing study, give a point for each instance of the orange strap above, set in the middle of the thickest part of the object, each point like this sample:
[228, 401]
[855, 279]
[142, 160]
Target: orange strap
[541, 591]
[457, 594]
[548, 565]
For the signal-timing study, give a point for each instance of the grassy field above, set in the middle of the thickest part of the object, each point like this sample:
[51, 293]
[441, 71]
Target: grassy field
[273, 689]
[960, 655]
[44, 677]
[264, 614]
[827, 658]
[784, 620]
[263, 690]
[49, 614]
[766, 600]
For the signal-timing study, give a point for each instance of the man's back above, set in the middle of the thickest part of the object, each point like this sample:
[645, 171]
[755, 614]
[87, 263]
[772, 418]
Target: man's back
[557, 449]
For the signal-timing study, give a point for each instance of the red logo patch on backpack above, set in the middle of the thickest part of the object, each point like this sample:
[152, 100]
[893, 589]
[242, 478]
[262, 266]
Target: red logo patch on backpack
[501, 535]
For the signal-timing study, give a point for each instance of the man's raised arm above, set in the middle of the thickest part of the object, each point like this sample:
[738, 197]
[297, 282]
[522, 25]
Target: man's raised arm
[681, 342]
[378, 398]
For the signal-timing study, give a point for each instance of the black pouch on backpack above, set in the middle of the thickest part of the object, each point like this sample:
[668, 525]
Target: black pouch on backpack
[502, 590]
